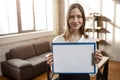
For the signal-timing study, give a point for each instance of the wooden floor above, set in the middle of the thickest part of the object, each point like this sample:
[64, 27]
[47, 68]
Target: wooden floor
[114, 73]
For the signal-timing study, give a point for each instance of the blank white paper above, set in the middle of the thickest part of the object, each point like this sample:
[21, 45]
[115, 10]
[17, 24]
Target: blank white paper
[73, 57]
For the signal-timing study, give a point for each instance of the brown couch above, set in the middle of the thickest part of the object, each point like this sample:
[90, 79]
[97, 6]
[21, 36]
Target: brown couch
[26, 62]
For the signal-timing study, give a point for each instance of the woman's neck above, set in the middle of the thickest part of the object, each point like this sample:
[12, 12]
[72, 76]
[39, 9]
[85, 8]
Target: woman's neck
[74, 37]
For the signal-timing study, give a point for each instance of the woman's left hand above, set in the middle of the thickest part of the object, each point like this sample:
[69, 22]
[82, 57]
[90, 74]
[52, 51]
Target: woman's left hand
[98, 56]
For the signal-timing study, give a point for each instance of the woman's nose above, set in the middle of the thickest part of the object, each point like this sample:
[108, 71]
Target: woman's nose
[75, 19]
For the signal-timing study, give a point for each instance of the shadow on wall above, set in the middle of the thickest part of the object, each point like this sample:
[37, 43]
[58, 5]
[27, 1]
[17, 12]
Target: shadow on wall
[114, 25]
[117, 1]
[114, 52]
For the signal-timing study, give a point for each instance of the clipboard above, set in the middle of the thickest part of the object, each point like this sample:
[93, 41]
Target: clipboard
[74, 57]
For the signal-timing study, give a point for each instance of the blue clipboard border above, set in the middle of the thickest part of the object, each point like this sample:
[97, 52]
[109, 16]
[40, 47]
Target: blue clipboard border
[74, 43]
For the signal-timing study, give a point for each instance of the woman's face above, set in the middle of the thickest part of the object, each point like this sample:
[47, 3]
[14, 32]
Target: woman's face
[75, 19]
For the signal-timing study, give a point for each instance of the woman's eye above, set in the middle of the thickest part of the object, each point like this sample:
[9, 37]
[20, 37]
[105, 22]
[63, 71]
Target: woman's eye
[79, 16]
[71, 17]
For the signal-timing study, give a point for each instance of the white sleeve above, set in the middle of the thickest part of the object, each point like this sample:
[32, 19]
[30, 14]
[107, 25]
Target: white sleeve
[58, 39]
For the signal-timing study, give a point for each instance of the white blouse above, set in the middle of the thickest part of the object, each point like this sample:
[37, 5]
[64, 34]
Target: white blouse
[60, 38]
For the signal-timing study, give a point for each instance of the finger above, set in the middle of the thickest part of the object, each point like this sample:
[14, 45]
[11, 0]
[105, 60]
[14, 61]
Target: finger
[49, 61]
[48, 55]
[98, 53]
[98, 56]
[49, 58]
[98, 59]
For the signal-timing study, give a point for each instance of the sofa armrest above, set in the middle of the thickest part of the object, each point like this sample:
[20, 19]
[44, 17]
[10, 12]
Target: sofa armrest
[19, 63]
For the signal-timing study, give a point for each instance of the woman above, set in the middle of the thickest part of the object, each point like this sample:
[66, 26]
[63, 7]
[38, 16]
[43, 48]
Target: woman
[75, 32]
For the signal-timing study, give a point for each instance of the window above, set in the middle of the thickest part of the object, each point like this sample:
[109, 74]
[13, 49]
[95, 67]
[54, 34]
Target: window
[26, 9]
[8, 17]
[18, 16]
[43, 14]
[109, 7]
[117, 24]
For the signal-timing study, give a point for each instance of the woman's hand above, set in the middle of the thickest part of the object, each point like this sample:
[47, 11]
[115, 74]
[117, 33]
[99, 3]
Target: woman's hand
[49, 58]
[98, 56]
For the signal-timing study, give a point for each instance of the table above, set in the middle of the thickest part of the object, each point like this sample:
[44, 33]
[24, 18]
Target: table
[103, 75]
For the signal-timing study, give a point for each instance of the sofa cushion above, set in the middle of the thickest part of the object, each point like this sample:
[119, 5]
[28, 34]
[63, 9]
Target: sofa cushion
[42, 47]
[36, 60]
[23, 52]
[19, 63]
[44, 55]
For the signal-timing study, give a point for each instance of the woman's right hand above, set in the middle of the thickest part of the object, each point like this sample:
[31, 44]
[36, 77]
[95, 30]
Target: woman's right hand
[49, 58]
